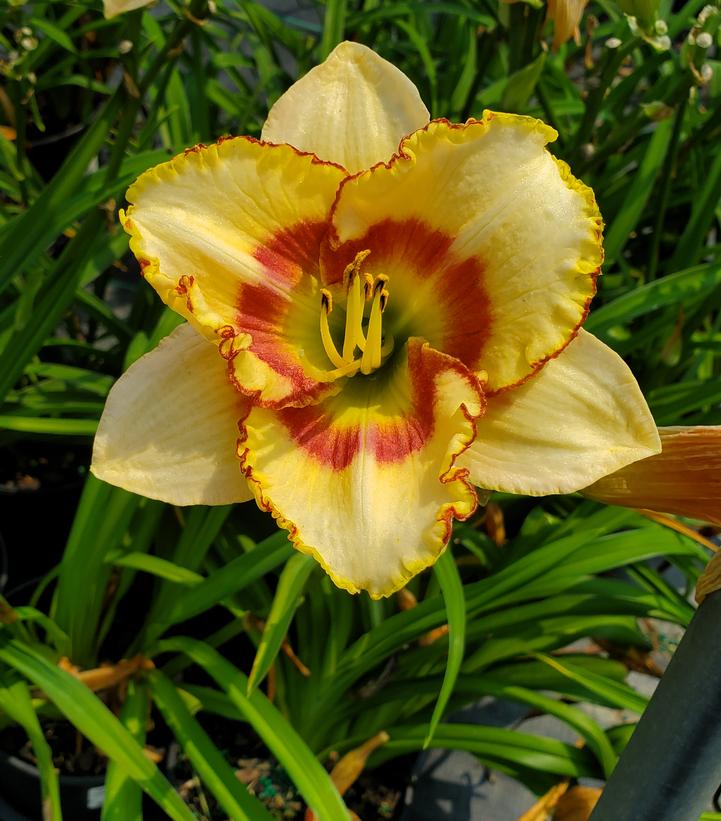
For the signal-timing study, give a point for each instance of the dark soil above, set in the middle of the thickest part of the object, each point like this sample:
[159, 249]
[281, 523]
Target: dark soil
[40, 486]
[376, 796]
[72, 754]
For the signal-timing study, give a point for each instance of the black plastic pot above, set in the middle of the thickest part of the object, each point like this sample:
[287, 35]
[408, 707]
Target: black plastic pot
[81, 796]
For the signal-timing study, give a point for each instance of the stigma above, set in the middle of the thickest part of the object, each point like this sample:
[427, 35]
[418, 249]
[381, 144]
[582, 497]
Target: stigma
[365, 347]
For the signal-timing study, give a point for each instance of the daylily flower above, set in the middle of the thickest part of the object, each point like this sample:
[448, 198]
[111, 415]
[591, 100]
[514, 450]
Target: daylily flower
[386, 326]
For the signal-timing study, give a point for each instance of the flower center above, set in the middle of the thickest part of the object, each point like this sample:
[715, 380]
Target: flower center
[365, 347]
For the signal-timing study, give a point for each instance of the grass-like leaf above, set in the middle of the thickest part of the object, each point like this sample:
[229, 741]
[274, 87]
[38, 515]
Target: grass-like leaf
[95, 721]
[215, 772]
[286, 745]
[455, 603]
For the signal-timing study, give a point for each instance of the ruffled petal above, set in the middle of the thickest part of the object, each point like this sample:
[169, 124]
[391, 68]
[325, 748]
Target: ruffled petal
[581, 417]
[491, 246]
[366, 482]
[352, 109]
[685, 478]
[229, 236]
[170, 426]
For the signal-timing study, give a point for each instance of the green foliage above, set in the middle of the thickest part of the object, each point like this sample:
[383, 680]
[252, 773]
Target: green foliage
[91, 103]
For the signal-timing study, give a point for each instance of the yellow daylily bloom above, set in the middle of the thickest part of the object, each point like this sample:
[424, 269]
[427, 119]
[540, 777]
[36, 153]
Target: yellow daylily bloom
[382, 313]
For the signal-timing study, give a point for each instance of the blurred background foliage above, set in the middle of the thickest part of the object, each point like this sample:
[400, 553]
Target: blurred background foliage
[239, 626]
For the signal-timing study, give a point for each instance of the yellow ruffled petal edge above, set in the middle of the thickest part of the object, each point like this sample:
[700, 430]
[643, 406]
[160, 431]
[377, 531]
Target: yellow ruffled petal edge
[169, 426]
[684, 479]
[370, 493]
[218, 224]
[581, 417]
[489, 191]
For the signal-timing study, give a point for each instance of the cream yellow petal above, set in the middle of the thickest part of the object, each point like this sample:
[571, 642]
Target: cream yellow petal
[685, 478]
[170, 426]
[485, 205]
[111, 8]
[581, 417]
[366, 481]
[353, 109]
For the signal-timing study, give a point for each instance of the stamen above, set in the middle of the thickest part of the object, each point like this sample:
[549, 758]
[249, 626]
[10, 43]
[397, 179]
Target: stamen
[354, 306]
[374, 347]
[353, 317]
[326, 306]
[371, 359]
[349, 369]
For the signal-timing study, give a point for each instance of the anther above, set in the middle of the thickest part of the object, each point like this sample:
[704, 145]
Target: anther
[380, 283]
[353, 269]
[367, 286]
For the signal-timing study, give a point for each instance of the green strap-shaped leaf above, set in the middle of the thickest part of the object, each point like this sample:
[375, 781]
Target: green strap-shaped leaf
[287, 746]
[638, 192]
[155, 566]
[95, 721]
[333, 26]
[214, 771]
[123, 797]
[612, 692]
[234, 576]
[15, 700]
[60, 639]
[287, 597]
[452, 590]
[101, 520]
[30, 235]
[494, 685]
[491, 744]
[683, 287]
[703, 215]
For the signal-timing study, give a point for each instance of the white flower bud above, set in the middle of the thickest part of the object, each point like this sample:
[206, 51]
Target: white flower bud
[705, 13]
